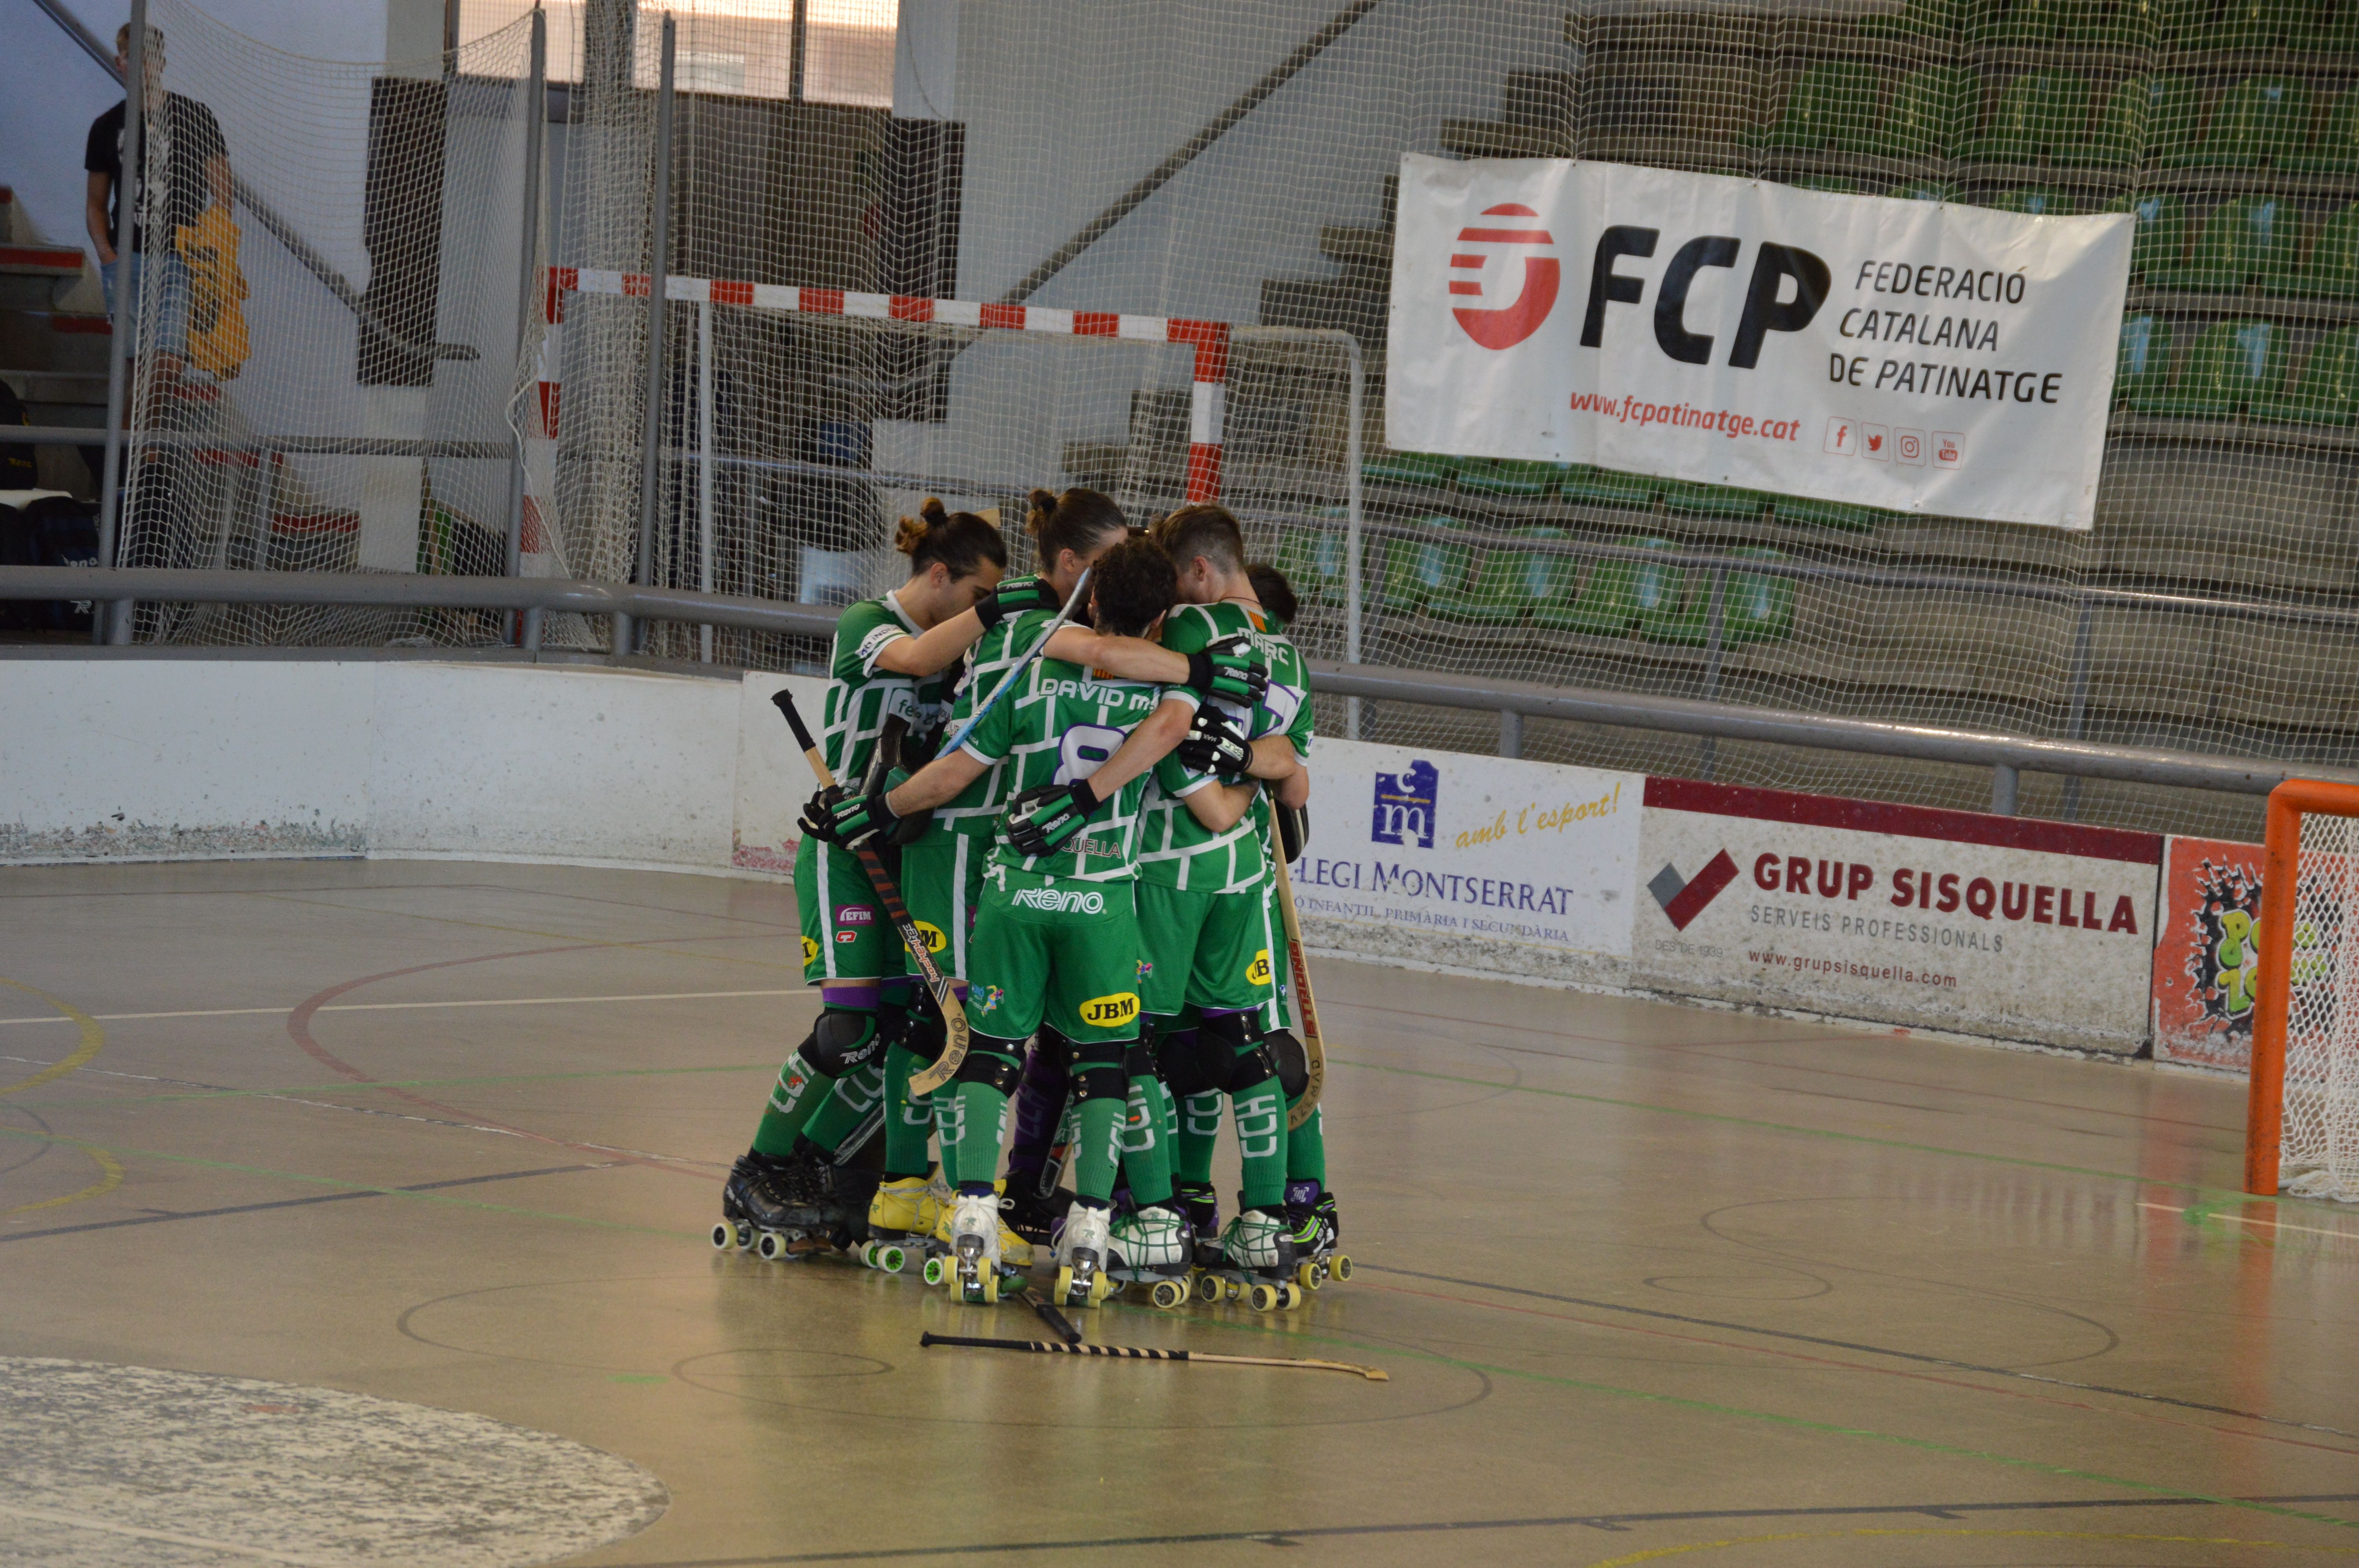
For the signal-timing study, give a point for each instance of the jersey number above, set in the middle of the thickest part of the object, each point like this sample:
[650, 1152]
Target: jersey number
[1084, 751]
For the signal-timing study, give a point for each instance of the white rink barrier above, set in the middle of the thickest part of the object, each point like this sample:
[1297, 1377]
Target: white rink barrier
[1999, 927]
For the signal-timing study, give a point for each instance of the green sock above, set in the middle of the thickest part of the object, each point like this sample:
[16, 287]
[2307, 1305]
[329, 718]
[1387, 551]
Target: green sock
[1199, 1133]
[1305, 1150]
[1146, 1148]
[973, 1117]
[1097, 1146]
[852, 1103]
[909, 1121]
[791, 1098]
[1260, 1113]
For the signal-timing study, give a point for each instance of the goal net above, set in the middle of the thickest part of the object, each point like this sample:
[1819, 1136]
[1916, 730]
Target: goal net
[2303, 1133]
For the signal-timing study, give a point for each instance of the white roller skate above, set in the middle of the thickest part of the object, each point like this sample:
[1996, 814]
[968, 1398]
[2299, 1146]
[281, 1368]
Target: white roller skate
[1084, 1252]
[1153, 1247]
[971, 1269]
[1256, 1264]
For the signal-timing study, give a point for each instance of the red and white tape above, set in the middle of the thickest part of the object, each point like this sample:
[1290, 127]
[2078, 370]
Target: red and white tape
[1210, 339]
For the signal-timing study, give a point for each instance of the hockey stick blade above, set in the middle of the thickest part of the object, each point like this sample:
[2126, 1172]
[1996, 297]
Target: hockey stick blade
[1306, 1006]
[1145, 1353]
[888, 893]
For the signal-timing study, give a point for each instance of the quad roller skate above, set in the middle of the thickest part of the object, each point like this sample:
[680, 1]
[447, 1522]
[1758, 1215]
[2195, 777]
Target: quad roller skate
[1201, 1207]
[778, 1208]
[1034, 1215]
[1256, 1265]
[1152, 1247]
[972, 1268]
[1084, 1253]
[1312, 1226]
[902, 1218]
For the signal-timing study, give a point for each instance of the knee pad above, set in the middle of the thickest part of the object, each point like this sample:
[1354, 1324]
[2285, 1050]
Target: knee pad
[1293, 1062]
[1239, 1034]
[1138, 1060]
[923, 1033]
[990, 1069]
[1191, 1065]
[1101, 1080]
[843, 1040]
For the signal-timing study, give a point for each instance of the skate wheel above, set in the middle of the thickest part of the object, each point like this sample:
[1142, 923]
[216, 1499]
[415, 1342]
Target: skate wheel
[1289, 1297]
[1208, 1289]
[1169, 1294]
[883, 1256]
[990, 1286]
[936, 1272]
[1262, 1298]
[724, 1237]
[771, 1246]
[1340, 1267]
[1307, 1276]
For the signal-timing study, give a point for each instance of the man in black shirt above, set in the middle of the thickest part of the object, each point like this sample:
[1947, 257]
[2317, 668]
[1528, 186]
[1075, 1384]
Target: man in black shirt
[188, 171]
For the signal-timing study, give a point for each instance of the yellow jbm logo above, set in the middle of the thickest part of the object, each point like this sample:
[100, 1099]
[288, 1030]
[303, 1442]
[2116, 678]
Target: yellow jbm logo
[1257, 972]
[1106, 1012]
[811, 950]
[935, 940]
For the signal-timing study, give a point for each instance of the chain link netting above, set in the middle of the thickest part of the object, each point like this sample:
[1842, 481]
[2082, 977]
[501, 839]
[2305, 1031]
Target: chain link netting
[2318, 1149]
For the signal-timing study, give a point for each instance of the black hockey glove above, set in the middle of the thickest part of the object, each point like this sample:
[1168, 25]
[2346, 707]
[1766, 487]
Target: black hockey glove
[1013, 598]
[1232, 668]
[1213, 746]
[856, 819]
[1040, 821]
[1293, 831]
[819, 814]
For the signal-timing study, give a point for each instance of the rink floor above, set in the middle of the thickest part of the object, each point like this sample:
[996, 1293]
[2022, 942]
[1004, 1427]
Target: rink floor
[1648, 1281]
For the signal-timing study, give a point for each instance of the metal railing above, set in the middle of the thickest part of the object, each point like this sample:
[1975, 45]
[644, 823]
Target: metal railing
[2007, 756]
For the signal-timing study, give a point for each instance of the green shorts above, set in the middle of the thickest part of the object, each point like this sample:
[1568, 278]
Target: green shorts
[941, 879]
[1213, 950]
[1058, 951]
[846, 936]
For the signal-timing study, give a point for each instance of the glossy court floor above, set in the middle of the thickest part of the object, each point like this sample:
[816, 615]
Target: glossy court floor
[1650, 1282]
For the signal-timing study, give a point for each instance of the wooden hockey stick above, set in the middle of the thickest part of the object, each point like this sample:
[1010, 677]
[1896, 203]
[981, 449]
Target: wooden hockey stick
[1306, 1006]
[1143, 1353]
[888, 893]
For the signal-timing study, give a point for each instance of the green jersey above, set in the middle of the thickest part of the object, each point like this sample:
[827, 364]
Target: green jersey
[862, 697]
[975, 809]
[1178, 851]
[1059, 725]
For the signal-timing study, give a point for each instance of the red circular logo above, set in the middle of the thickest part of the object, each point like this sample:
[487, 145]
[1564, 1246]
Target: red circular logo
[1505, 326]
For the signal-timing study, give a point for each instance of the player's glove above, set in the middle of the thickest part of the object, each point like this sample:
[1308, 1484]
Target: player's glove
[1214, 746]
[854, 820]
[1040, 821]
[1232, 668]
[819, 814]
[1013, 598]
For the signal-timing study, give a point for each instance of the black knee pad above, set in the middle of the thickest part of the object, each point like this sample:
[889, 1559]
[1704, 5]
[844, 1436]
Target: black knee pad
[923, 1032]
[989, 1068]
[1239, 1033]
[843, 1040]
[1138, 1060]
[1191, 1065]
[1100, 1080]
[1293, 1062]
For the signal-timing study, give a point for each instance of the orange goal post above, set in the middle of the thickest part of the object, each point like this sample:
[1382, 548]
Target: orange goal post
[2301, 1118]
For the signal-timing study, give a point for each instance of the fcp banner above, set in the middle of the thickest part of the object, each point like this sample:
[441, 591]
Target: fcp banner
[1914, 355]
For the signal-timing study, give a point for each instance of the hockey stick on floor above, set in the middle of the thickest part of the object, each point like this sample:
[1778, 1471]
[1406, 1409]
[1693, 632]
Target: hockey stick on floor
[1059, 1324]
[888, 893]
[1306, 1006]
[1142, 1353]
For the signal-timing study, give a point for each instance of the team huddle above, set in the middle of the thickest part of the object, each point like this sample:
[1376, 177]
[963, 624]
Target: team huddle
[1077, 790]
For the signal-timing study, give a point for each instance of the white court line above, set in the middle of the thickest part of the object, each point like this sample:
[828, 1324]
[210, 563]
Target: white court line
[401, 1006]
[82, 1521]
[2265, 1224]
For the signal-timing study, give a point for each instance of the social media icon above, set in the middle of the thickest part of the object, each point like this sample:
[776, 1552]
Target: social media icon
[1908, 447]
[1876, 443]
[1842, 438]
[1949, 450]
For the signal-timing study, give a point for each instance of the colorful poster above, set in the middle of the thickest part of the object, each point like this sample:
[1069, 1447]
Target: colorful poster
[2207, 954]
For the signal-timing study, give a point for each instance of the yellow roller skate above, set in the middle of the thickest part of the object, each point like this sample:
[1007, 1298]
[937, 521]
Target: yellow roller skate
[902, 1216]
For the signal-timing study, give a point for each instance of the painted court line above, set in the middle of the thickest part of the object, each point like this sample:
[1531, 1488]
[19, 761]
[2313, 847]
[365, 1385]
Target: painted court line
[400, 1006]
[2205, 1213]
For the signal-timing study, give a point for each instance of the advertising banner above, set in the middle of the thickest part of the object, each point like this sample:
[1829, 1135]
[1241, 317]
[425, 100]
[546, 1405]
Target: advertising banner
[1914, 355]
[1478, 862]
[2207, 953]
[1991, 925]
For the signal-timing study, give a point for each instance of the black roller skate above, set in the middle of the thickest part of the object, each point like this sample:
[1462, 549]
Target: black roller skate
[1256, 1265]
[1314, 1228]
[791, 1207]
[1031, 1213]
[1201, 1207]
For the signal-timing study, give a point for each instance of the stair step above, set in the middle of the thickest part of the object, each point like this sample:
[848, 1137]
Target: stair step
[1542, 100]
[56, 386]
[1356, 246]
[1357, 308]
[53, 261]
[54, 340]
[1497, 138]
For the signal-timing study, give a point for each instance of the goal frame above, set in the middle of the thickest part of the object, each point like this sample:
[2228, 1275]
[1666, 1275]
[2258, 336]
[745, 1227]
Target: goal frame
[2273, 1002]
